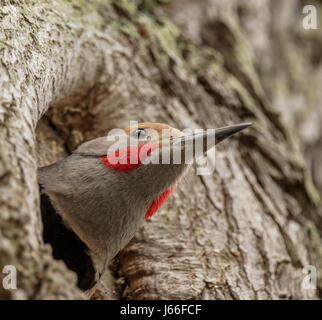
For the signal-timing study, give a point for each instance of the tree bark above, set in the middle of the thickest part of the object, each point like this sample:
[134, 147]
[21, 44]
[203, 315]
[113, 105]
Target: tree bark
[245, 232]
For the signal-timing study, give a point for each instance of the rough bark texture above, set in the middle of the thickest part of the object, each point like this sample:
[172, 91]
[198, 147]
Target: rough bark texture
[245, 232]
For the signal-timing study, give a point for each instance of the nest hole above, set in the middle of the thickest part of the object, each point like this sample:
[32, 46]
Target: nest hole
[58, 133]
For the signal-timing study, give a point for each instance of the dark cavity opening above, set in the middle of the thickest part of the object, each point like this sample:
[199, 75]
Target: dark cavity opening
[65, 244]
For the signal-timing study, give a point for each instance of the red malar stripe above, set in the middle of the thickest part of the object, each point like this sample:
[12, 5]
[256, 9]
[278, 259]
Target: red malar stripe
[156, 204]
[121, 159]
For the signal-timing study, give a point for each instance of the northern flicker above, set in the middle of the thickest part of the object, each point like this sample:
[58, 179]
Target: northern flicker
[103, 197]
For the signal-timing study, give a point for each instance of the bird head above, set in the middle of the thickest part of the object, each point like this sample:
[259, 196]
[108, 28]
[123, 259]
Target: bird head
[158, 143]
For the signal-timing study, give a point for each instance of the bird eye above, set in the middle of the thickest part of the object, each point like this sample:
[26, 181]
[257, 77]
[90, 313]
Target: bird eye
[139, 133]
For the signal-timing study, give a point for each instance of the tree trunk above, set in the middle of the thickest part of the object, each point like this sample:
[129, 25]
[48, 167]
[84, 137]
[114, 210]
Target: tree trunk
[245, 232]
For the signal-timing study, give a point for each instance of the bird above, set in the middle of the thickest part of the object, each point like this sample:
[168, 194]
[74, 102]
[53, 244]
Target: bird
[97, 198]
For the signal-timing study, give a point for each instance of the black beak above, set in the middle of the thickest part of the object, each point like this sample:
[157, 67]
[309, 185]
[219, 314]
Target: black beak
[225, 132]
[209, 138]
